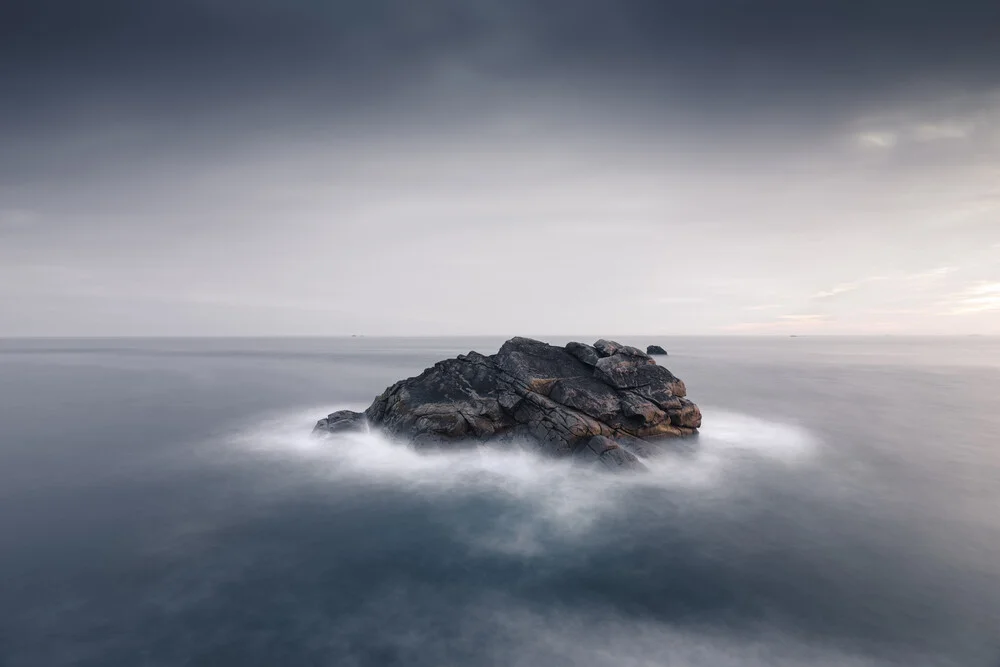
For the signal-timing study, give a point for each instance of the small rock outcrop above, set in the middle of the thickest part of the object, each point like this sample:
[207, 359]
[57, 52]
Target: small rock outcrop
[343, 421]
[655, 349]
[606, 403]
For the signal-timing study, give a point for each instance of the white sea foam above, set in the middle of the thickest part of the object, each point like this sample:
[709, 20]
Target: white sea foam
[726, 437]
[562, 497]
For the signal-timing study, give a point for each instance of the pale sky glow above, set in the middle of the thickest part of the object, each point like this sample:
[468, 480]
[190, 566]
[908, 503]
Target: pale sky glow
[979, 298]
[878, 139]
[633, 172]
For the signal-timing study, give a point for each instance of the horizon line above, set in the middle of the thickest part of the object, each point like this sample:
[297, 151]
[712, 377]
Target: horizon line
[494, 335]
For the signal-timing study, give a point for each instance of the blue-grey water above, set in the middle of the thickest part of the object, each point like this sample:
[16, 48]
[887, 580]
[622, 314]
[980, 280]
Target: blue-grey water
[162, 503]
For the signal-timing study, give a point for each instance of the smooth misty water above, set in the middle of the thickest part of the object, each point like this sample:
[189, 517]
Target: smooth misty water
[162, 503]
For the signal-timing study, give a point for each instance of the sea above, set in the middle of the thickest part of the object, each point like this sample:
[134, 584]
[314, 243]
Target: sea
[163, 503]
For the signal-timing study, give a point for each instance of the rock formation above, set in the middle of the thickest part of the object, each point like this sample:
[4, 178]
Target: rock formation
[607, 403]
[655, 349]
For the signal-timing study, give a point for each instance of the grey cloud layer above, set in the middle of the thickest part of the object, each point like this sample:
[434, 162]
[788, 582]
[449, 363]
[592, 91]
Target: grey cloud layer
[740, 53]
[304, 167]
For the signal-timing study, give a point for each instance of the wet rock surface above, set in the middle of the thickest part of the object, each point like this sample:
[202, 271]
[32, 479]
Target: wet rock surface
[606, 403]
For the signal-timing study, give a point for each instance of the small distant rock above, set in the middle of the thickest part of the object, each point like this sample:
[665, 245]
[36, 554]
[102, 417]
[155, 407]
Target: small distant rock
[655, 349]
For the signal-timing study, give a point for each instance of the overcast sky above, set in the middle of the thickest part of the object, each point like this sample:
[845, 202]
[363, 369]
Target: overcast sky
[264, 167]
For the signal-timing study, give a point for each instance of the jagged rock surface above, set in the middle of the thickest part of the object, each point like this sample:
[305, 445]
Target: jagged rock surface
[607, 403]
[655, 349]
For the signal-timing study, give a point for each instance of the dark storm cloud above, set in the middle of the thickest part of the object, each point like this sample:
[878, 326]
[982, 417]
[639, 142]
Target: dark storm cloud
[742, 52]
[138, 78]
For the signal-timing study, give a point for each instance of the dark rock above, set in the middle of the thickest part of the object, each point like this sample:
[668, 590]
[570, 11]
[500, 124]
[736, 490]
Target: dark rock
[655, 349]
[686, 414]
[623, 372]
[608, 403]
[600, 444]
[585, 353]
[342, 421]
[537, 363]
[618, 459]
[607, 348]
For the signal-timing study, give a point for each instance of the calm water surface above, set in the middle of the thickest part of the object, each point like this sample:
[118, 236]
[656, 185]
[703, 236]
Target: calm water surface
[162, 503]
